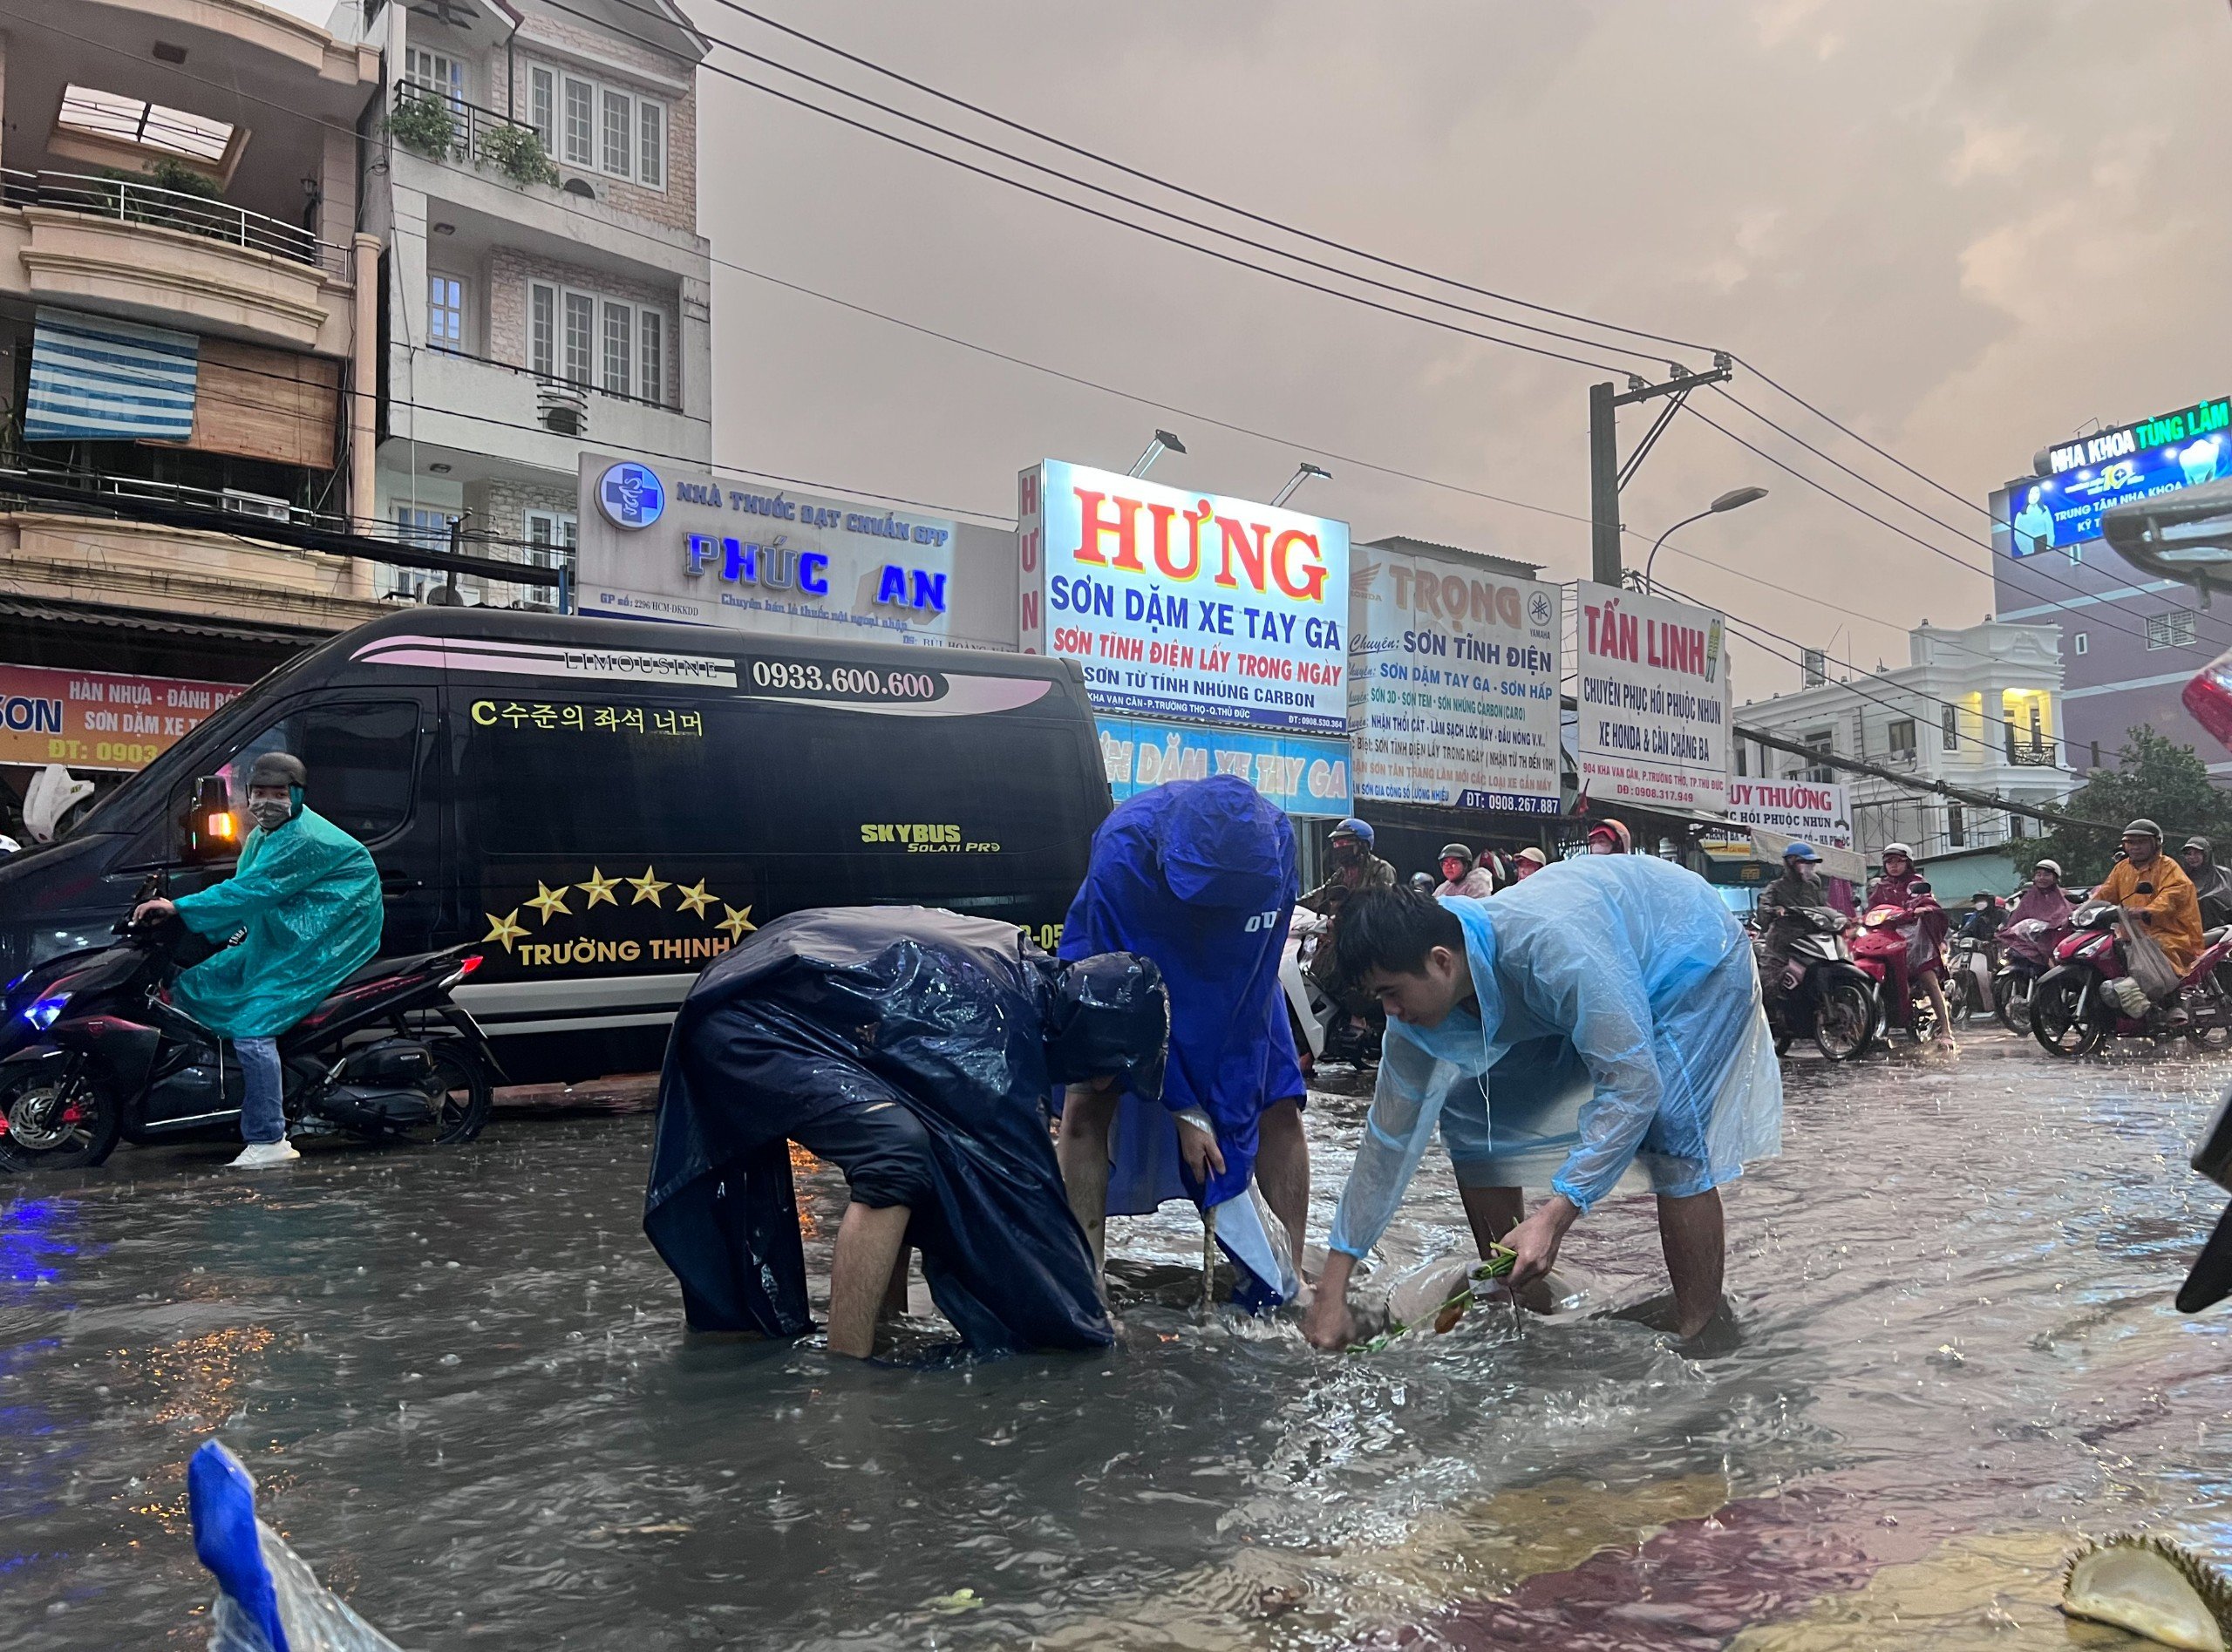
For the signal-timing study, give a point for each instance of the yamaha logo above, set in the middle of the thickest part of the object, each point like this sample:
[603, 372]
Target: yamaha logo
[631, 495]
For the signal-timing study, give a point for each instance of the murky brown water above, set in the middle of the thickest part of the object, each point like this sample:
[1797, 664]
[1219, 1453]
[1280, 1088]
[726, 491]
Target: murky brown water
[462, 1383]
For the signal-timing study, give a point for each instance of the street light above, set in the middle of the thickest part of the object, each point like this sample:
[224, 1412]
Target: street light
[1734, 500]
[1163, 439]
[1301, 476]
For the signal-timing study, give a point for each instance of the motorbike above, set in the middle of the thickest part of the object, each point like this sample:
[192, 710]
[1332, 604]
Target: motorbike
[1886, 932]
[2071, 1013]
[1821, 994]
[1324, 1027]
[2026, 953]
[93, 1053]
[1967, 984]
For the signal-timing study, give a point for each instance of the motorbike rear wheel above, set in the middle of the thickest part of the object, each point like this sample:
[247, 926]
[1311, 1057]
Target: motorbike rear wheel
[2055, 1020]
[2011, 994]
[466, 1097]
[1844, 1020]
[56, 1119]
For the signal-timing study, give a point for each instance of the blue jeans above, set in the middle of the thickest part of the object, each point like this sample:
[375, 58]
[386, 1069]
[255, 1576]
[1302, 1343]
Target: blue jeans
[262, 1118]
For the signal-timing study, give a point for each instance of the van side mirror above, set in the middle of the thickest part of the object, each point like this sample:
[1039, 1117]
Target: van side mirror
[211, 831]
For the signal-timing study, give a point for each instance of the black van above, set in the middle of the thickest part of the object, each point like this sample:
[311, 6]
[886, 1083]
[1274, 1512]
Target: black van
[604, 806]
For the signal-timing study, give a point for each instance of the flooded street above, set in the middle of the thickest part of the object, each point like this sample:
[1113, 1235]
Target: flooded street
[462, 1383]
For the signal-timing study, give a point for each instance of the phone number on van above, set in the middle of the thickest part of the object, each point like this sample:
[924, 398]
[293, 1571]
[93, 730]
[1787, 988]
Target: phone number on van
[861, 682]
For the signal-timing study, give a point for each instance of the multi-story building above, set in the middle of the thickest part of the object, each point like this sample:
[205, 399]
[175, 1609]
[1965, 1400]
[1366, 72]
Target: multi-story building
[1976, 708]
[536, 186]
[180, 293]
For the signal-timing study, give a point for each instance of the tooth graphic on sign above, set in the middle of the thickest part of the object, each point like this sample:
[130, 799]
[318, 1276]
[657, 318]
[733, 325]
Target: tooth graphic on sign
[694, 899]
[506, 929]
[647, 888]
[548, 901]
[599, 887]
[739, 924]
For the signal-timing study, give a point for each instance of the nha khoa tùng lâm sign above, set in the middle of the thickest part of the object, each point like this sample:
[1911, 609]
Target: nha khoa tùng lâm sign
[1653, 726]
[1193, 607]
[1452, 683]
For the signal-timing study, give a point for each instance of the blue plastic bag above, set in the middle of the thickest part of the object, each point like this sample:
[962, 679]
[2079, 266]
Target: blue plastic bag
[268, 1598]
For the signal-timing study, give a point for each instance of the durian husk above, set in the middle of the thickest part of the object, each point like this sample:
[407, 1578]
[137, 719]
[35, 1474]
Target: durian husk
[2152, 1588]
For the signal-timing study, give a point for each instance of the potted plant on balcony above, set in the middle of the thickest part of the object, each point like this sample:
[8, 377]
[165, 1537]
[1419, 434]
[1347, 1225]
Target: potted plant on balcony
[167, 194]
[424, 123]
[517, 152]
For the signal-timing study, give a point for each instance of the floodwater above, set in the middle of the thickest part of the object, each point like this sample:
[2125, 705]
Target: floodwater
[462, 1383]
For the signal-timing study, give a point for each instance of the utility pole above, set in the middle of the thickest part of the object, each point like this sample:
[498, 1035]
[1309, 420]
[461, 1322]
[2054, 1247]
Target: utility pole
[1607, 476]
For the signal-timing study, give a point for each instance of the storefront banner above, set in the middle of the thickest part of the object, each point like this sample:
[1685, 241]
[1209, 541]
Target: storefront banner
[1452, 683]
[1811, 813]
[100, 719]
[1653, 697]
[1184, 605]
[662, 542]
[1303, 774]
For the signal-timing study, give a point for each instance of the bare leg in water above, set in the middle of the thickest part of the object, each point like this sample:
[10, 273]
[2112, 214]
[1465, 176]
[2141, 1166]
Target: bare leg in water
[1693, 1235]
[1088, 1111]
[1282, 1168]
[871, 1255]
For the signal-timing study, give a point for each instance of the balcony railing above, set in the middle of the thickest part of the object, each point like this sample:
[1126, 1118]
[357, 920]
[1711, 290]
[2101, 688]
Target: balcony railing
[129, 200]
[480, 136]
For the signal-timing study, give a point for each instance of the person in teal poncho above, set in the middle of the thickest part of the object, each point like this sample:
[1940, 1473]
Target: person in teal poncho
[305, 900]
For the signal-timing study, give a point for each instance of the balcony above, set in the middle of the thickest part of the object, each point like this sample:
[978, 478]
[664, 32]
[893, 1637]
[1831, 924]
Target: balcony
[441, 127]
[510, 413]
[171, 258]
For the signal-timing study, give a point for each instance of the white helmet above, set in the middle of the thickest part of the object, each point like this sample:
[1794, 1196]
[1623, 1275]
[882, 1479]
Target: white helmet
[1890, 849]
[2053, 867]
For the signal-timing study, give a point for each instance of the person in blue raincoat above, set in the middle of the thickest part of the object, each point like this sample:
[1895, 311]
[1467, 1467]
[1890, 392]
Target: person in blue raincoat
[1201, 876]
[304, 898]
[1600, 1020]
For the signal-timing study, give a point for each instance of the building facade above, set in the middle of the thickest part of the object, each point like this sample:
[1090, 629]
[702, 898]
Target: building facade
[1976, 708]
[535, 184]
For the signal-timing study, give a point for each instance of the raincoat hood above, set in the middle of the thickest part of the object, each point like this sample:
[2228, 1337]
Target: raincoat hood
[1220, 844]
[1109, 1014]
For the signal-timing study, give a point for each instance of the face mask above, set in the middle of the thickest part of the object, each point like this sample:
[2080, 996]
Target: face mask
[270, 813]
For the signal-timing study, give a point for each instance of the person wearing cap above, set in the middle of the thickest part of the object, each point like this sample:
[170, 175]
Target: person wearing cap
[2212, 884]
[2043, 898]
[1782, 905]
[1460, 876]
[305, 896]
[1609, 837]
[2155, 890]
[1353, 867]
[1528, 861]
[1984, 919]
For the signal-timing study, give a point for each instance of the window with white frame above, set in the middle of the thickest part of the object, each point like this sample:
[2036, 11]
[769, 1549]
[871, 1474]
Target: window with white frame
[2082, 642]
[551, 536]
[587, 339]
[416, 525]
[2171, 630]
[435, 72]
[542, 105]
[445, 313]
[601, 128]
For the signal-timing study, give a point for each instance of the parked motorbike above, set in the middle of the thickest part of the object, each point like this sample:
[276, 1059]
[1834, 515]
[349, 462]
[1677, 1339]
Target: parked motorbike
[1821, 994]
[1967, 982]
[1886, 932]
[1324, 1027]
[2073, 1013]
[2026, 953]
[92, 1053]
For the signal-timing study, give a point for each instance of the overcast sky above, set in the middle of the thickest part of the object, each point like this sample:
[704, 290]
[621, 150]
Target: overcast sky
[1964, 229]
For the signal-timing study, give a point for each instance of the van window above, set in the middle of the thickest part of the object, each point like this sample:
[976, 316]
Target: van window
[362, 756]
[569, 778]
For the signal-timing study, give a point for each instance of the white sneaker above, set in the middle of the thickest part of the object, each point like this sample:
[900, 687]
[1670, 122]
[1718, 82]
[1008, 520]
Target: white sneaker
[259, 1155]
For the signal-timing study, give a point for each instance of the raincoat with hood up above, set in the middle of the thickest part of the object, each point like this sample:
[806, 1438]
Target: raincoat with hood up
[1201, 876]
[1619, 1025]
[959, 1020]
[307, 896]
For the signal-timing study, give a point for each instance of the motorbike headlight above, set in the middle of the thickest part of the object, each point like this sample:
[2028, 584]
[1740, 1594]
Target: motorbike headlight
[12, 985]
[42, 1013]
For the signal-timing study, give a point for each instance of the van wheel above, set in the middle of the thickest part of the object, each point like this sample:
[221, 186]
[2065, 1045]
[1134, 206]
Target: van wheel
[55, 1118]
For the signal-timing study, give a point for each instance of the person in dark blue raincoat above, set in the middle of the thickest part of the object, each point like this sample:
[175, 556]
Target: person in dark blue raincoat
[1201, 876]
[916, 1050]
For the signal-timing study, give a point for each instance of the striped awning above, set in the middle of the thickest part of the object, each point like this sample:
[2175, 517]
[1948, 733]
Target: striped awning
[102, 380]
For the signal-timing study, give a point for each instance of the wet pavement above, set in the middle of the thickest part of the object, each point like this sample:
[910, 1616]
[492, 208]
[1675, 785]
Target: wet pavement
[462, 1383]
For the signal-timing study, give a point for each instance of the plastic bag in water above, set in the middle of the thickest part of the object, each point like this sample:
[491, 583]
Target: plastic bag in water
[268, 1598]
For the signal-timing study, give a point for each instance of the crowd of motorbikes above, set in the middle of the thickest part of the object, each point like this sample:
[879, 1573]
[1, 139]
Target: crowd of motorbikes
[1839, 985]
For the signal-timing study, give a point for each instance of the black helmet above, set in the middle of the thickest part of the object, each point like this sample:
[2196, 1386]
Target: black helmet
[2143, 828]
[278, 768]
[1456, 850]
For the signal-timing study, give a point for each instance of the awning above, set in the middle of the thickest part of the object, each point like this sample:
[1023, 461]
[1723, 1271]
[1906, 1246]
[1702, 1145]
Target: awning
[135, 619]
[94, 379]
[1835, 863]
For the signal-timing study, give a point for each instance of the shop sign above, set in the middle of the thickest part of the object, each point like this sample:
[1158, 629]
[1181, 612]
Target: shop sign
[2090, 474]
[1452, 683]
[1303, 774]
[1188, 605]
[658, 544]
[1811, 813]
[100, 719]
[1652, 691]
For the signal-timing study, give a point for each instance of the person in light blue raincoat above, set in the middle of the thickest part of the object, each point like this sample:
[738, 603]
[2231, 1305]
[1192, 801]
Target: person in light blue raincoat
[1201, 876]
[304, 898]
[1601, 1024]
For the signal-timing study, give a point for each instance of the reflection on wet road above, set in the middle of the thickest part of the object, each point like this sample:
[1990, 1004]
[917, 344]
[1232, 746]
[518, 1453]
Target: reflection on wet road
[462, 1383]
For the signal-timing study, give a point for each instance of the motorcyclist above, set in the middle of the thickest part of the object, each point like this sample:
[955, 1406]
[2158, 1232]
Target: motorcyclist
[2212, 884]
[1528, 861]
[1926, 952]
[1900, 876]
[304, 898]
[1610, 837]
[2168, 908]
[1780, 906]
[1460, 876]
[1983, 920]
[1354, 867]
[2042, 899]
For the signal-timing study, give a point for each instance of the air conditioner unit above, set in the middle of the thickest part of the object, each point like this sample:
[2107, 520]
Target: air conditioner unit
[263, 505]
[562, 408]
